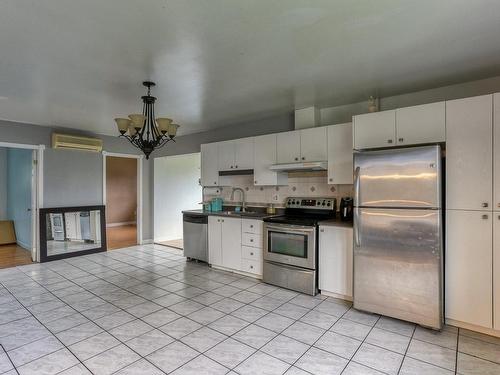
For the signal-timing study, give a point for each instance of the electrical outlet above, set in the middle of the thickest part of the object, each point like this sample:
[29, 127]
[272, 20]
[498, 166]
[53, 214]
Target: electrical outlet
[276, 197]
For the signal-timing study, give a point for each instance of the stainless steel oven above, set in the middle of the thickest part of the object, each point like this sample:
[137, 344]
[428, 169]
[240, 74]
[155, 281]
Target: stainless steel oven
[293, 245]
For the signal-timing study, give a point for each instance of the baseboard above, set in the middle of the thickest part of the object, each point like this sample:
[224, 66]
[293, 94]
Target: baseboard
[25, 246]
[147, 242]
[336, 295]
[112, 225]
[473, 327]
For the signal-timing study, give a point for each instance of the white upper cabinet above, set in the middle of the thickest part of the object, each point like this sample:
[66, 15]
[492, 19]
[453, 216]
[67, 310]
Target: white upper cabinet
[340, 154]
[469, 153]
[468, 267]
[226, 155]
[313, 144]
[496, 154]
[243, 153]
[288, 147]
[421, 124]
[373, 130]
[209, 165]
[264, 157]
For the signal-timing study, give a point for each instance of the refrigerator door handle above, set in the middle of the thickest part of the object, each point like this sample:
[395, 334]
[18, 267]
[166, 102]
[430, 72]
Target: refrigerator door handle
[356, 186]
[357, 223]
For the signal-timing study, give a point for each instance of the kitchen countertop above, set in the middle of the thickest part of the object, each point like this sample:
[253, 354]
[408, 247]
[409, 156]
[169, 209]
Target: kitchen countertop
[336, 223]
[245, 215]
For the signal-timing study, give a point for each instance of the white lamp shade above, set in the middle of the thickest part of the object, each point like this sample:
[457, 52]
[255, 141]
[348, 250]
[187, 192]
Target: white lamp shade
[164, 124]
[137, 120]
[123, 124]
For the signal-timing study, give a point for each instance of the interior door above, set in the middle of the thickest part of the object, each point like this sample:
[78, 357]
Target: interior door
[408, 177]
[398, 262]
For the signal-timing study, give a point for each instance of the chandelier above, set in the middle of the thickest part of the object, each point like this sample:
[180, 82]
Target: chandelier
[143, 130]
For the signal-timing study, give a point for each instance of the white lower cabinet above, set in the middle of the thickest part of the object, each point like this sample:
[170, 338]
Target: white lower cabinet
[235, 244]
[224, 242]
[468, 267]
[496, 270]
[336, 260]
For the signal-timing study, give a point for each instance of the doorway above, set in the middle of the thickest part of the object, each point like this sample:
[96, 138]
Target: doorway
[176, 188]
[17, 206]
[122, 180]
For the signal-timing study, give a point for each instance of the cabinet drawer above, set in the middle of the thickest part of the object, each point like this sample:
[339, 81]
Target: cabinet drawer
[251, 253]
[251, 266]
[251, 239]
[251, 226]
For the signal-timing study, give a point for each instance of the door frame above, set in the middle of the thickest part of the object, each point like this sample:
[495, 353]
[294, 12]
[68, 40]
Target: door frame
[140, 159]
[36, 192]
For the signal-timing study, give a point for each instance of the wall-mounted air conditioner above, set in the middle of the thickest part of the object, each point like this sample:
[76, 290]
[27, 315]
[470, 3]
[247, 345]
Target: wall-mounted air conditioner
[73, 142]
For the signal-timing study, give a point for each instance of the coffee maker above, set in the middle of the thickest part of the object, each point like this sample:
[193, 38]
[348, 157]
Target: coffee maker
[346, 209]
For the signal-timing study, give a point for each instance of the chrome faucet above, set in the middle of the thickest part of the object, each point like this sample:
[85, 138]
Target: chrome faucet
[243, 203]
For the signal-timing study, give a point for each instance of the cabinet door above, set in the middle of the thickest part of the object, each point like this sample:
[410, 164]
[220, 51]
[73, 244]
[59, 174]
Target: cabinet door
[469, 153]
[421, 124]
[496, 151]
[340, 154]
[335, 260]
[496, 270]
[226, 155]
[468, 267]
[215, 240]
[313, 144]
[209, 165]
[372, 130]
[243, 153]
[288, 147]
[264, 157]
[231, 243]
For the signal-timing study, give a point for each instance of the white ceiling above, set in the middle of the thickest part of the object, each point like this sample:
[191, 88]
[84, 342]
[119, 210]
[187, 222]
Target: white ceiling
[80, 63]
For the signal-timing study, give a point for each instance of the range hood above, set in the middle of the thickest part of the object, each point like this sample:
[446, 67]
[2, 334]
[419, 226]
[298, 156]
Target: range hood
[300, 167]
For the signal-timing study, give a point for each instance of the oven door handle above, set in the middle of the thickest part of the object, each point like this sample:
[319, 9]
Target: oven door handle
[290, 230]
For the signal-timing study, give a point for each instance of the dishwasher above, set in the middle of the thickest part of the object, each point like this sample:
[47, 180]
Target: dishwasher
[195, 228]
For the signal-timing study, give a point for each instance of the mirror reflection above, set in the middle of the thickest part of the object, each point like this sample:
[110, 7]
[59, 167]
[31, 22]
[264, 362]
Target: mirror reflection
[70, 232]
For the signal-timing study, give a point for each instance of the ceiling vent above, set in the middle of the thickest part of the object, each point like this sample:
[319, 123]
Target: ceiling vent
[73, 142]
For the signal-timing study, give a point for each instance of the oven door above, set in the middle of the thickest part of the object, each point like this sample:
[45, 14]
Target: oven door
[290, 244]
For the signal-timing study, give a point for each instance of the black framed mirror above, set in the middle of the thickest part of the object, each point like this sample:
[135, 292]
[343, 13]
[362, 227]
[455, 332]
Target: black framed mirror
[67, 232]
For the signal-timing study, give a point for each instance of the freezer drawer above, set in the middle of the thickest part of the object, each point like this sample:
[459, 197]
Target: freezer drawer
[398, 264]
[409, 177]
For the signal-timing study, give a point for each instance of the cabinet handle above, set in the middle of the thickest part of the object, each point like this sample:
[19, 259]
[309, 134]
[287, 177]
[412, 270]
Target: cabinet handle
[485, 204]
[389, 141]
[498, 205]
[401, 139]
[485, 217]
[251, 267]
[218, 220]
[498, 217]
[251, 253]
[236, 166]
[222, 220]
[303, 158]
[251, 226]
[296, 159]
[331, 179]
[231, 167]
[251, 239]
[255, 182]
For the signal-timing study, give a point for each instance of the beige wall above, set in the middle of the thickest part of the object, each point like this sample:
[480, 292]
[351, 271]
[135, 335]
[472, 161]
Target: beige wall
[121, 189]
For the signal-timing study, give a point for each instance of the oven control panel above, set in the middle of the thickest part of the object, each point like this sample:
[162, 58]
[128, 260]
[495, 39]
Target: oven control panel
[312, 203]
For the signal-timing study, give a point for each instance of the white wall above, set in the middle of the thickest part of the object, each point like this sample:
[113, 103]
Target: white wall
[176, 188]
[3, 183]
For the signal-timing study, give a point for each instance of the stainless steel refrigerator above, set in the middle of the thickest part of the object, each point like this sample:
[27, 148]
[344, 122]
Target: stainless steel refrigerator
[398, 251]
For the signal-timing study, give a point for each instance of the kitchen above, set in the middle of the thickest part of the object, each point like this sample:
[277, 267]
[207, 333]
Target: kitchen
[434, 154]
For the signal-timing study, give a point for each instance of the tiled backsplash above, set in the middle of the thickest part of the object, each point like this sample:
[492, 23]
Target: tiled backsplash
[299, 185]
